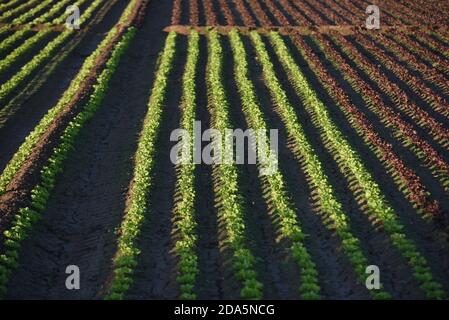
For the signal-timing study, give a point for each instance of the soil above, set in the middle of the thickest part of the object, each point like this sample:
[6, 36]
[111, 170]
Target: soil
[88, 203]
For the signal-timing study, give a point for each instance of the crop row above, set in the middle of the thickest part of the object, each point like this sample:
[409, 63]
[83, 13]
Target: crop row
[26, 217]
[440, 131]
[211, 17]
[7, 6]
[11, 59]
[428, 40]
[26, 46]
[317, 12]
[388, 18]
[259, 13]
[350, 164]
[231, 210]
[226, 10]
[13, 13]
[278, 15]
[416, 84]
[26, 17]
[176, 12]
[412, 16]
[328, 13]
[425, 54]
[391, 13]
[42, 57]
[406, 179]
[56, 9]
[429, 6]
[125, 259]
[194, 15]
[346, 13]
[244, 13]
[17, 36]
[11, 41]
[373, 198]
[309, 11]
[442, 36]
[290, 227]
[325, 194]
[412, 13]
[185, 221]
[397, 95]
[39, 76]
[403, 130]
[32, 139]
[418, 44]
[424, 151]
[339, 13]
[294, 13]
[301, 14]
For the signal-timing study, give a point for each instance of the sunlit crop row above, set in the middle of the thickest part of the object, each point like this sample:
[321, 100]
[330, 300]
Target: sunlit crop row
[125, 260]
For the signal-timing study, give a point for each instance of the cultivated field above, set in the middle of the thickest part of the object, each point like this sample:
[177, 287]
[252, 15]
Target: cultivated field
[361, 190]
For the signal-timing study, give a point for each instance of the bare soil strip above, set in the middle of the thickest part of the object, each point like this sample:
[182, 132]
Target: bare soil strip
[303, 30]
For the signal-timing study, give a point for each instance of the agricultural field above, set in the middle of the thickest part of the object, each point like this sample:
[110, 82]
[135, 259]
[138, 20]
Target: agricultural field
[99, 199]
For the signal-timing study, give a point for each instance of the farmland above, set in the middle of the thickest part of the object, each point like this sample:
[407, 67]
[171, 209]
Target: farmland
[87, 177]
